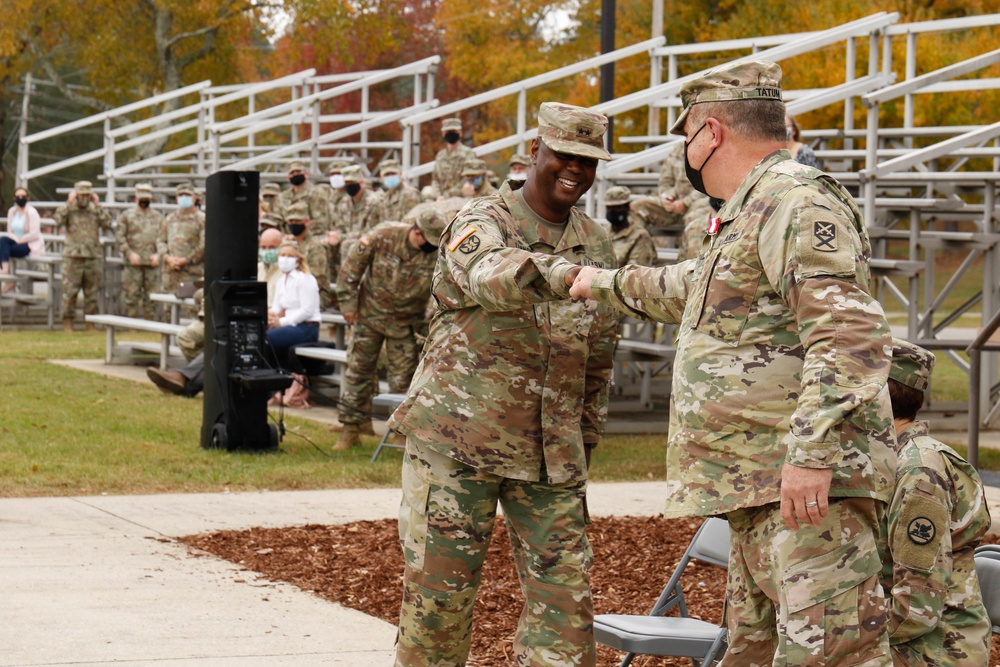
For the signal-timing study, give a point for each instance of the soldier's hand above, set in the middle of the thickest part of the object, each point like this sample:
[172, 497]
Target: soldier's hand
[134, 259]
[94, 198]
[580, 289]
[154, 260]
[333, 238]
[351, 318]
[72, 196]
[805, 494]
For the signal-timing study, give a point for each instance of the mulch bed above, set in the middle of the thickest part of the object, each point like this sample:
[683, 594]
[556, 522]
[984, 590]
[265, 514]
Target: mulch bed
[359, 565]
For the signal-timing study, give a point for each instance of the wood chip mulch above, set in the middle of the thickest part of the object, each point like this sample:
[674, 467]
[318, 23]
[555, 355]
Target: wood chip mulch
[359, 565]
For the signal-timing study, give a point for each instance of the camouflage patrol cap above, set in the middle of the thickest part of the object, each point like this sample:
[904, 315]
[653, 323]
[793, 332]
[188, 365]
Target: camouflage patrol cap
[749, 80]
[297, 211]
[270, 190]
[143, 190]
[451, 124]
[352, 174]
[185, 189]
[519, 158]
[618, 195]
[389, 167]
[911, 364]
[474, 167]
[336, 167]
[296, 165]
[83, 187]
[429, 219]
[574, 130]
[272, 220]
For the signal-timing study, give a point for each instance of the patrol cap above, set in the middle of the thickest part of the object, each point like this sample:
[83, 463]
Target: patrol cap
[296, 165]
[389, 167]
[429, 219]
[451, 124]
[519, 158]
[272, 220]
[352, 174]
[911, 364]
[270, 190]
[143, 190]
[83, 187]
[618, 195]
[574, 130]
[297, 211]
[336, 166]
[185, 189]
[749, 80]
[474, 167]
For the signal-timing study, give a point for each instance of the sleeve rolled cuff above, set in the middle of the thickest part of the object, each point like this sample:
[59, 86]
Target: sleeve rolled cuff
[557, 278]
[806, 454]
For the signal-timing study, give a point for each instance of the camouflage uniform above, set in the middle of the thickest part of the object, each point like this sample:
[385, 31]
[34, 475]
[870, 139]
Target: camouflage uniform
[182, 234]
[356, 217]
[634, 245]
[674, 182]
[782, 358]
[448, 165]
[397, 203]
[511, 387]
[137, 232]
[387, 282]
[475, 167]
[315, 253]
[316, 199]
[83, 257]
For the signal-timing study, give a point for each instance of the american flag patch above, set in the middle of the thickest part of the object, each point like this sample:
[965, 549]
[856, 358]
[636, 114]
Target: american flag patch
[463, 234]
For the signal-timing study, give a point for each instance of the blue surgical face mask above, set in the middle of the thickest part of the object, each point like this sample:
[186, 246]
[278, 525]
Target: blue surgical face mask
[391, 182]
[185, 201]
[269, 255]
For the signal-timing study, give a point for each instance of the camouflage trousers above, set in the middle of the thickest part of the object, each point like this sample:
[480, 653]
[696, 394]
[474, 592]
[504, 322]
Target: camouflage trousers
[806, 597]
[138, 282]
[171, 278]
[445, 524]
[86, 273]
[191, 339]
[363, 352]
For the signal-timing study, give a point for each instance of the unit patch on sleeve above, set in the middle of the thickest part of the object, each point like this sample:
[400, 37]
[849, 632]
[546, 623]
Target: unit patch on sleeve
[462, 234]
[470, 244]
[824, 236]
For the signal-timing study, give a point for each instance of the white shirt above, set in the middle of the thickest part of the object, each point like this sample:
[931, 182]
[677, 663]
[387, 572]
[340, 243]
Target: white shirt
[297, 294]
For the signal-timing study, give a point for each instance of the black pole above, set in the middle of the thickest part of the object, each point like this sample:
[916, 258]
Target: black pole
[608, 70]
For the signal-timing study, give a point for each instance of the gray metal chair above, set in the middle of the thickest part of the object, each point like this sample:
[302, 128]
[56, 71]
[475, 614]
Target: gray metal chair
[988, 570]
[681, 636]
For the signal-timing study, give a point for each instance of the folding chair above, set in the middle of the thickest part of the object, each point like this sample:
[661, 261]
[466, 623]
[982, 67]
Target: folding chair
[988, 570]
[681, 636]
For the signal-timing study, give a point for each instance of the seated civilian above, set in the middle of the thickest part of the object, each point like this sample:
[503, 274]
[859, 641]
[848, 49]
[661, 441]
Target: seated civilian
[23, 236]
[294, 317]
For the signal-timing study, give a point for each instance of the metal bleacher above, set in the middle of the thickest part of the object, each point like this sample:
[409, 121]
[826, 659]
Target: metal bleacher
[924, 190]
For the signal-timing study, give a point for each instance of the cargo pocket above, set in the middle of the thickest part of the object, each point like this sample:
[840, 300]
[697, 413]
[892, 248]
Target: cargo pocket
[729, 296]
[512, 319]
[413, 516]
[834, 606]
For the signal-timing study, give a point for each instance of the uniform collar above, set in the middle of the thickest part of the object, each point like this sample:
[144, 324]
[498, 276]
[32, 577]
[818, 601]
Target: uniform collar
[734, 205]
[572, 236]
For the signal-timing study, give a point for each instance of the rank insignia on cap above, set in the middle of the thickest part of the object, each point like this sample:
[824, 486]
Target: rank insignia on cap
[921, 530]
[463, 234]
[470, 244]
[824, 236]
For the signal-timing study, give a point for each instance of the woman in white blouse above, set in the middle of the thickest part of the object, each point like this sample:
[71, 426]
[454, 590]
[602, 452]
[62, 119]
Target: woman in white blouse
[294, 314]
[23, 236]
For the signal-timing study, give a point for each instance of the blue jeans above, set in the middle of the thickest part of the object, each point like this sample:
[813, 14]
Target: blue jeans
[282, 338]
[11, 248]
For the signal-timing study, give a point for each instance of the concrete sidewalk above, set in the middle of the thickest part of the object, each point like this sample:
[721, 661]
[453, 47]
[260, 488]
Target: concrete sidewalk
[100, 580]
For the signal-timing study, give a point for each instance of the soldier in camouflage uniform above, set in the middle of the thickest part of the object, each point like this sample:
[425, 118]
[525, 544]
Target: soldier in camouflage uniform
[269, 193]
[937, 517]
[301, 191]
[518, 167]
[82, 218]
[399, 198]
[358, 211]
[181, 243]
[137, 232]
[508, 400]
[477, 182]
[632, 243]
[687, 206]
[450, 160]
[312, 249]
[383, 289]
[780, 410]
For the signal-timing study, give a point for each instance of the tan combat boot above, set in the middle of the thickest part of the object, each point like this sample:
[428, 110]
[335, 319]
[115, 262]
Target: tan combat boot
[68, 324]
[349, 437]
[366, 428]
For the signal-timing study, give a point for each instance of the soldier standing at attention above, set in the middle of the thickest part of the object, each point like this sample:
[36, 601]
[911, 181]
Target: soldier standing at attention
[780, 418]
[383, 288]
[182, 241]
[399, 198]
[631, 240]
[81, 219]
[450, 160]
[137, 232]
[937, 517]
[358, 210]
[508, 400]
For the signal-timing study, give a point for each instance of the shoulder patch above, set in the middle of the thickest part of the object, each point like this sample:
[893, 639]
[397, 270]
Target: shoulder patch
[462, 234]
[824, 236]
[470, 244]
[363, 244]
[917, 534]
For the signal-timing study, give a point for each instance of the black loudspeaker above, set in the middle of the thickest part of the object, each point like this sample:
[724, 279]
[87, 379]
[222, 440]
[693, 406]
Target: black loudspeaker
[238, 378]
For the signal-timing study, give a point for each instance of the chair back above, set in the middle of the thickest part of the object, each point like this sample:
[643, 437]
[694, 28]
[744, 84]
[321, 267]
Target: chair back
[988, 570]
[711, 543]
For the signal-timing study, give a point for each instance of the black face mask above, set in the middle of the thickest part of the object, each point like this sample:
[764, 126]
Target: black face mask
[143, 203]
[694, 175]
[452, 137]
[21, 201]
[297, 179]
[716, 203]
[297, 229]
[618, 217]
[428, 247]
[352, 189]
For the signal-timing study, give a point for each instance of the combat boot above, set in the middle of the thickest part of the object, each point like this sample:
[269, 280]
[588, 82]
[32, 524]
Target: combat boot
[349, 437]
[68, 324]
[366, 428]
